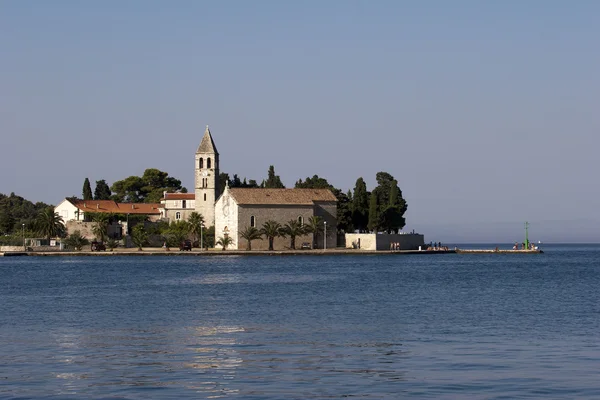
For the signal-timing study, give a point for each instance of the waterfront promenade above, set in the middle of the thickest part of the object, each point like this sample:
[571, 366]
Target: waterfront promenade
[153, 251]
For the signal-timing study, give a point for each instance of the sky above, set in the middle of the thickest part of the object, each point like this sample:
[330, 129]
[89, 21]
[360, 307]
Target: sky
[485, 112]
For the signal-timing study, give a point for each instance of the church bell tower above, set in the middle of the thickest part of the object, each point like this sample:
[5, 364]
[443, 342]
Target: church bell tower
[207, 178]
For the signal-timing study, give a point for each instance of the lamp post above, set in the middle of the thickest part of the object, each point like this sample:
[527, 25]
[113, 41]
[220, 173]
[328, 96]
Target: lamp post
[201, 238]
[325, 236]
[24, 237]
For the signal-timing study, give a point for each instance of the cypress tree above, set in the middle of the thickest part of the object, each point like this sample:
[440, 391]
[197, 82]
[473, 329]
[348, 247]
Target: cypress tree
[373, 213]
[87, 190]
[102, 190]
[360, 206]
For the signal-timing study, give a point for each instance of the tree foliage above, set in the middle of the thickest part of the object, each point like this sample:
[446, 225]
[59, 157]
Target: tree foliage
[49, 224]
[360, 206]
[271, 229]
[16, 211]
[273, 181]
[148, 188]
[102, 190]
[196, 224]
[250, 234]
[373, 224]
[315, 226]
[87, 190]
[390, 206]
[100, 227]
[224, 242]
[139, 236]
[293, 228]
[76, 241]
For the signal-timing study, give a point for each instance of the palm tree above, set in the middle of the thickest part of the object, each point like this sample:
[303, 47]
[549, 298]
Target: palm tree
[224, 242]
[250, 234]
[271, 229]
[315, 226]
[195, 221]
[294, 228]
[49, 224]
[76, 241]
[139, 236]
[100, 228]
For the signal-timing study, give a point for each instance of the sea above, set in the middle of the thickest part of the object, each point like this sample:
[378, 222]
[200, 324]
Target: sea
[442, 326]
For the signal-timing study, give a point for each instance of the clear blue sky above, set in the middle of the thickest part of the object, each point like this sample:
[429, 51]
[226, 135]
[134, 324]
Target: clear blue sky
[486, 112]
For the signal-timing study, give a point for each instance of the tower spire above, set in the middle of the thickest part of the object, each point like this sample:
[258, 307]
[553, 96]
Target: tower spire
[207, 145]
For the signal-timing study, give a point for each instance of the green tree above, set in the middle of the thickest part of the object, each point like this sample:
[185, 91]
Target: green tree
[15, 211]
[344, 211]
[139, 236]
[128, 190]
[49, 224]
[271, 229]
[209, 237]
[273, 181]
[250, 234]
[360, 206]
[102, 191]
[315, 226]
[87, 190]
[196, 223]
[391, 206]
[100, 227]
[315, 182]
[175, 236]
[76, 241]
[148, 188]
[293, 229]
[111, 244]
[156, 182]
[7, 221]
[224, 242]
[373, 224]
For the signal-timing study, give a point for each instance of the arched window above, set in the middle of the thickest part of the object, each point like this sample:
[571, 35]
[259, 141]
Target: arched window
[178, 215]
[208, 162]
[182, 203]
[204, 196]
[301, 220]
[252, 221]
[201, 163]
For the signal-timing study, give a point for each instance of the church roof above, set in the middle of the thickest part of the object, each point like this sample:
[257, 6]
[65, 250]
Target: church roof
[109, 206]
[255, 196]
[207, 145]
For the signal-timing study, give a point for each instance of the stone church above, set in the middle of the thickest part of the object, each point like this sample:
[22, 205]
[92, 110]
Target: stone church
[231, 210]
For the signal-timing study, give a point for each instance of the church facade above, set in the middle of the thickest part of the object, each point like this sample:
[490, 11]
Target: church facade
[232, 210]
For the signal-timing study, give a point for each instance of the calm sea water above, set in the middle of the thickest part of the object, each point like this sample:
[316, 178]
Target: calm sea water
[441, 326]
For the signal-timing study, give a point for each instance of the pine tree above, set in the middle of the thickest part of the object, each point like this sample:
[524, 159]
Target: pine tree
[87, 190]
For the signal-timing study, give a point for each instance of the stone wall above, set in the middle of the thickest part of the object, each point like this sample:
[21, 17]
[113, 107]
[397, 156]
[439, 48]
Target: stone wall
[10, 248]
[281, 214]
[372, 241]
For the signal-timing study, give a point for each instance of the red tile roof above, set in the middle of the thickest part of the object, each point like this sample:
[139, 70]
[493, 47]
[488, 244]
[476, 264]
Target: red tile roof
[179, 196]
[109, 206]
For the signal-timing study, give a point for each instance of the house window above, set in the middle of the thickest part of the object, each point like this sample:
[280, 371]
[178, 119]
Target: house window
[201, 163]
[208, 162]
[182, 203]
[178, 216]
[204, 196]
[252, 221]
[301, 221]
